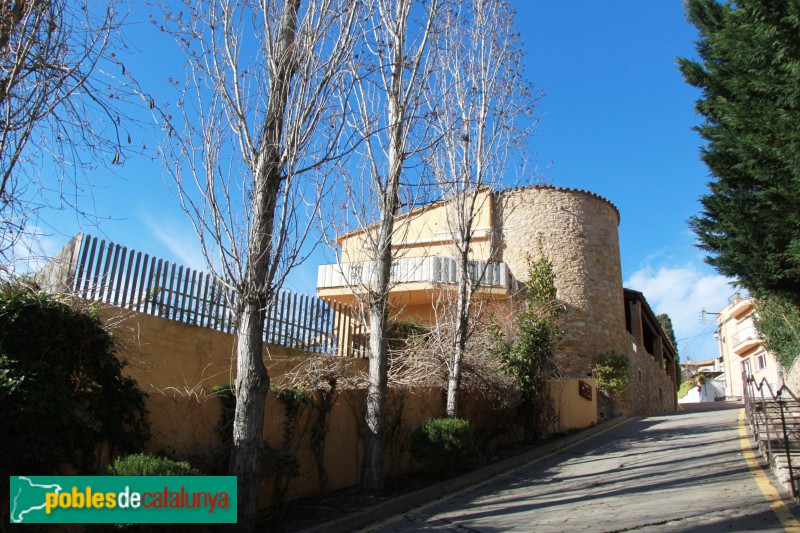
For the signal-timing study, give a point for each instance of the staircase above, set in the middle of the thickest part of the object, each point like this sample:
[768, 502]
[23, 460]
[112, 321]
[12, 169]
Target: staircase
[775, 423]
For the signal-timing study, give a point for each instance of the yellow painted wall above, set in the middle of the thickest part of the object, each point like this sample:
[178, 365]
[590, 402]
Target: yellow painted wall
[163, 354]
[425, 232]
[573, 410]
[177, 365]
[735, 323]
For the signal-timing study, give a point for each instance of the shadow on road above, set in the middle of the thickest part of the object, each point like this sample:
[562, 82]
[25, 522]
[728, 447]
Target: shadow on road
[658, 455]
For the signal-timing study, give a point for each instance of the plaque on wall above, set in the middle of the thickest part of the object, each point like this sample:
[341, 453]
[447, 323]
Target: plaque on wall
[585, 390]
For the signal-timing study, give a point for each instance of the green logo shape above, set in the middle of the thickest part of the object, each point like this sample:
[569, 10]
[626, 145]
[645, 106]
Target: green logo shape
[123, 499]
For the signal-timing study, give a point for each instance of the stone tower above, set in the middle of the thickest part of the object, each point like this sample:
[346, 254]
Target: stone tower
[579, 232]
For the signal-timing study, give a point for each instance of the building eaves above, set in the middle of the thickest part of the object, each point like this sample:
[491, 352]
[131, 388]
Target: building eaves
[630, 294]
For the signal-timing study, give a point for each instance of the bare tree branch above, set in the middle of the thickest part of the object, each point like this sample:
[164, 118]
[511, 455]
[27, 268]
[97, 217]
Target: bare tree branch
[60, 107]
[482, 108]
[251, 163]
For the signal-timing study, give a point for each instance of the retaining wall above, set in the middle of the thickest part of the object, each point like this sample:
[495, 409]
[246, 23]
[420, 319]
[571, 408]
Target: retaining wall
[178, 364]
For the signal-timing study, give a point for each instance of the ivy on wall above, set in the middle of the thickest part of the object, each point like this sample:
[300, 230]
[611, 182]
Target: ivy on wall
[528, 354]
[611, 372]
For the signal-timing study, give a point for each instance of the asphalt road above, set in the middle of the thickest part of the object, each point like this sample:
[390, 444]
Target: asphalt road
[680, 472]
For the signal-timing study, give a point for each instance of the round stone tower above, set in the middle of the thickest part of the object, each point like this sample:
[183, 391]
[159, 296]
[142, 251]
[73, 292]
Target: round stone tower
[578, 230]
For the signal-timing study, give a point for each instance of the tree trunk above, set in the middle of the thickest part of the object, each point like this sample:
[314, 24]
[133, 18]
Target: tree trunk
[252, 385]
[252, 379]
[372, 470]
[460, 334]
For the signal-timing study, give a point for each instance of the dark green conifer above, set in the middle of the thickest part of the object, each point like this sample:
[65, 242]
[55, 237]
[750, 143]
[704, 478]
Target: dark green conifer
[749, 74]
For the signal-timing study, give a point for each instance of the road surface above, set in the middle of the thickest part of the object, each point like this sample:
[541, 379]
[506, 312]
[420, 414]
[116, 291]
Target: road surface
[685, 471]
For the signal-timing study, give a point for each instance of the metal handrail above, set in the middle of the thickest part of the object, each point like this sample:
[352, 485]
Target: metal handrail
[760, 419]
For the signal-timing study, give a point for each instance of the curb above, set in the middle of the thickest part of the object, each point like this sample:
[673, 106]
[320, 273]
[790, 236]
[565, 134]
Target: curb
[445, 489]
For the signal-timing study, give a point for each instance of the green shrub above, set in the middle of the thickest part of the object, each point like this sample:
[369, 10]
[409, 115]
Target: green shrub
[62, 389]
[528, 354]
[686, 386]
[145, 464]
[611, 372]
[441, 444]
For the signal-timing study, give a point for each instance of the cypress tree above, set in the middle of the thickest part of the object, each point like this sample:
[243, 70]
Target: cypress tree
[749, 74]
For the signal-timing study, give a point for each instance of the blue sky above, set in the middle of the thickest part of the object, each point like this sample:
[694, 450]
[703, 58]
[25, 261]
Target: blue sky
[616, 119]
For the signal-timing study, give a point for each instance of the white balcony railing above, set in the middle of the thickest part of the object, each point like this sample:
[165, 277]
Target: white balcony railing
[745, 339]
[414, 269]
[745, 334]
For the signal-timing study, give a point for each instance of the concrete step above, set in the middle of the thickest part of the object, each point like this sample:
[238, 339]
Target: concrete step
[791, 404]
[777, 447]
[779, 461]
[788, 409]
[780, 468]
[792, 424]
[775, 413]
[776, 435]
[789, 415]
[776, 428]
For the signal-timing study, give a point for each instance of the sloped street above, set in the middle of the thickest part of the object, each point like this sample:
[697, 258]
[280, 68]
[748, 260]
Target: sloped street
[680, 472]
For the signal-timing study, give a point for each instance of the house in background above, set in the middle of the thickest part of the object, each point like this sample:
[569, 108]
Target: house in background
[707, 367]
[741, 349]
[709, 376]
[578, 231]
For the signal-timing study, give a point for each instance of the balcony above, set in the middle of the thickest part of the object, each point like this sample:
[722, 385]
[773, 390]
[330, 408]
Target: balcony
[745, 340]
[739, 307]
[426, 270]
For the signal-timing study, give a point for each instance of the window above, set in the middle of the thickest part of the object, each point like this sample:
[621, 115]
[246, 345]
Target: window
[761, 361]
[746, 368]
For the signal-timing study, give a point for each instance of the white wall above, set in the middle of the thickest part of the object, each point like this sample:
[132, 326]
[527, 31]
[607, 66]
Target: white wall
[709, 392]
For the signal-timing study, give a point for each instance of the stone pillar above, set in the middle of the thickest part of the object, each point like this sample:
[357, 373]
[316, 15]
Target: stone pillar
[658, 351]
[637, 330]
[670, 367]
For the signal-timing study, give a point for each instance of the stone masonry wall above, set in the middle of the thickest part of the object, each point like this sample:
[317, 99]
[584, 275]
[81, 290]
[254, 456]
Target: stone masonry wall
[579, 232]
[791, 377]
[650, 389]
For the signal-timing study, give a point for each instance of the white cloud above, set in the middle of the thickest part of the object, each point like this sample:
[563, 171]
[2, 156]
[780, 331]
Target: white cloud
[681, 292]
[33, 250]
[180, 242]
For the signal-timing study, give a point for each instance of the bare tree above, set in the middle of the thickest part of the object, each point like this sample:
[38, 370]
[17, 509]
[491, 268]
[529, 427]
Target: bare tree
[258, 132]
[59, 104]
[390, 71]
[482, 109]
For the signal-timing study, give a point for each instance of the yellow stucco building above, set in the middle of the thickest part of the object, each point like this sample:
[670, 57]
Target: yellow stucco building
[424, 265]
[576, 229]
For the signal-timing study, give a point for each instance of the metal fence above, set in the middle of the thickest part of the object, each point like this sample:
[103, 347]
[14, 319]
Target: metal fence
[430, 269]
[105, 272]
